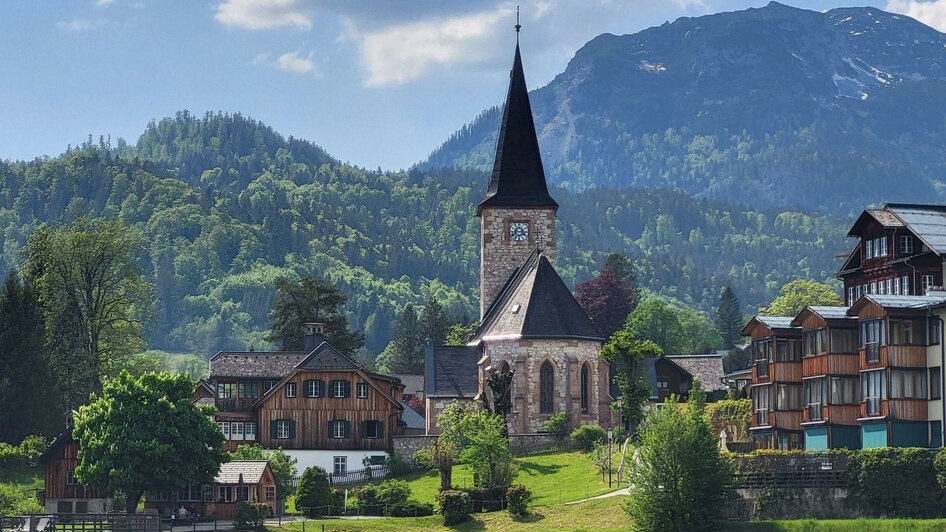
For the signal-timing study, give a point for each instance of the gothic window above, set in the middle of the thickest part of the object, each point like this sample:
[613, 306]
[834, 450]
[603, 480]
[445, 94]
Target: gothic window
[546, 388]
[584, 388]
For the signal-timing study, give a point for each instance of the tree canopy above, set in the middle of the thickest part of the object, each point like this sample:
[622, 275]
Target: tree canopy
[148, 416]
[796, 295]
[729, 317]
[310, 300]
[608, 300]
[627, 354]
[283, 465]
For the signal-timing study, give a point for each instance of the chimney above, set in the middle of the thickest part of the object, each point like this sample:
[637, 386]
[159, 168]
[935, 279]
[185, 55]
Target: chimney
[314, 334]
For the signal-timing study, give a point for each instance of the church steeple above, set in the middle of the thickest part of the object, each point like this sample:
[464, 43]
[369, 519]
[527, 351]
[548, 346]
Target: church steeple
[518, 179]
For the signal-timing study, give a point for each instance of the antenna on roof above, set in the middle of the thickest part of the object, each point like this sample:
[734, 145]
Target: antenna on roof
[518, 26]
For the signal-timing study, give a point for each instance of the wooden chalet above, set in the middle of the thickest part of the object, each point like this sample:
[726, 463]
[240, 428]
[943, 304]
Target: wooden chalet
[63, 494]
[317, 404]
[900, 251]
[776, 382]
[900, 361]
[830, 378]
[675, 375]
[237, 481]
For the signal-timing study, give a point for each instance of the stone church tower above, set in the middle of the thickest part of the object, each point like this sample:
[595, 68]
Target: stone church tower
[530, 323]
[518, 215]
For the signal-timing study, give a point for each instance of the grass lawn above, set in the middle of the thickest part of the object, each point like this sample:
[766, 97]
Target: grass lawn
[553, 479]
[599, 515]
[845, 525]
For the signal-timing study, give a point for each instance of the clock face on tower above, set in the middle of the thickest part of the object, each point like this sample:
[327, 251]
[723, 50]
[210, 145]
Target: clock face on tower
[518, 231]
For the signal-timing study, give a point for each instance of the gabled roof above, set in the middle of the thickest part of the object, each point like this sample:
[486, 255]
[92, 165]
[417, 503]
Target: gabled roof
[927, 222]
[413, 384]
[452, 371]
[518, 179]
[411, 419]
[826, 313]
[898, 302]
[254, 364]
[252, 471]
[771, 322]
[883, 217]
[325, 356]
[709, 369]
[536, 303]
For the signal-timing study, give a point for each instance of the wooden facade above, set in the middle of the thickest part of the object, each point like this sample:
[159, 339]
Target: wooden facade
[776, 383]
[60, 465]
[218, 500]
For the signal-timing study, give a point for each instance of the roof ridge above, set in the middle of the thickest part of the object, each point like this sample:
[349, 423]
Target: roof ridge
[508, 289]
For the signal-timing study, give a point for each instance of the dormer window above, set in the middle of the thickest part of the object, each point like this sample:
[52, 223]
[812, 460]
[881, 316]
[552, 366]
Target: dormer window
[515, 308]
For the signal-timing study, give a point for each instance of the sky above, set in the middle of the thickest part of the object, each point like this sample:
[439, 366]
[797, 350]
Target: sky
[378, 83]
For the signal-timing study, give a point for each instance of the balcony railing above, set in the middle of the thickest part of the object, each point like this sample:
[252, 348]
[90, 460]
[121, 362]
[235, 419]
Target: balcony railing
[762, 368]
[814, 411]
[232, 404]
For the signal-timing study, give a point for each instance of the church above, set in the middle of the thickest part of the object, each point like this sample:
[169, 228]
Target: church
[532, 330]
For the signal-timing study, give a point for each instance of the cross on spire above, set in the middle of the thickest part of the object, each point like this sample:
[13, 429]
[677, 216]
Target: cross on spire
[518, 26]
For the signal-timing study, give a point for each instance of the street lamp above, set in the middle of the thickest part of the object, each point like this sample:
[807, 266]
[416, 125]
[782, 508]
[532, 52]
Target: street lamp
[610, 437]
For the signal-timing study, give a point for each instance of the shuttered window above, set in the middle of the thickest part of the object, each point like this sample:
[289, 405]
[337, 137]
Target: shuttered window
[282, 429]
[341, 389]
[313, 388]
[339, 429]
[372, 429]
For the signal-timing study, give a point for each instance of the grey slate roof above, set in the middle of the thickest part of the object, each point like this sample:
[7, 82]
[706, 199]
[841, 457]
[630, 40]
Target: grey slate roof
[535, 303]
[928, 223]
[776, 322]
[709, 369]
[453, 372]
[254, 364]
[324, 356]
[905, 302]
[831, 313]
[413, 384]
[252, 471]
[518, 179]
[411, 419]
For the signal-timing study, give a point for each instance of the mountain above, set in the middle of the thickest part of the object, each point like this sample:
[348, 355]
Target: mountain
[226, 205]
[774, 107]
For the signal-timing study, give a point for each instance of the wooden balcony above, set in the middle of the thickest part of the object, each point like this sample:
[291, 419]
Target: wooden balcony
[786, 419]
[761, 371]
[908, 409]
[785, 371]
[833, 414]
[900, 356]
[235, 405]
[830, 364]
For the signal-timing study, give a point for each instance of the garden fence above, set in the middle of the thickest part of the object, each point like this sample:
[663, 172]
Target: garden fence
[810, 470]
[356, 476]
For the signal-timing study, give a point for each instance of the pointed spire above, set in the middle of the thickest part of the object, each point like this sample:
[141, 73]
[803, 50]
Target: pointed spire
[518, 179]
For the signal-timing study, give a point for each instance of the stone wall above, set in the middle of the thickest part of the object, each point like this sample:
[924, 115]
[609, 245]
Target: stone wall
[519, 444]
[499, 256]
[799, 503]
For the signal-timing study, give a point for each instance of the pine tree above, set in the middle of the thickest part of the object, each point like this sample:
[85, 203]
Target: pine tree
[405, 353]
[728, 317]
[310, 300]
[433, 322]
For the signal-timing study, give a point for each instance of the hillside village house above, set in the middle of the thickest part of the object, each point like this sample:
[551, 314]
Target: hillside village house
[318, 405]
[237, 481]
[62, 493]
[530, 323]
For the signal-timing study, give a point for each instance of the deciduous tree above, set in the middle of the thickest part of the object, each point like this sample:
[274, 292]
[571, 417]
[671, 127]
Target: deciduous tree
[608, 300]
[627, 353]
[310, 300]
[144, 433]
[283, 465]
[796, 295]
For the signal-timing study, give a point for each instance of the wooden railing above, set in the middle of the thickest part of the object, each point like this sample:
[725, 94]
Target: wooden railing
[235, 405]
[906, 356]
[786, 419]
[785, 371]
[908, 409]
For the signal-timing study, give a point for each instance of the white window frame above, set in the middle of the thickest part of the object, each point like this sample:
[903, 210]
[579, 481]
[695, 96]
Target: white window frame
[362, 390]
[290, 390]
[269, 492]
[338, 389]
[338, 430]
[889, 283]
[313, 389]
[881, 246]
[224, 427]
[906, 244]
[236, 430]
[339, 465]
[227, 493]
[927, 282]
[282, 429]
[905, 285]
[250, 432]
[850, 296]
[873, 287]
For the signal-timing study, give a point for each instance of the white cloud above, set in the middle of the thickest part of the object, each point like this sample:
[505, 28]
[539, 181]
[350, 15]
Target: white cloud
[78, 24]
[399, 54]
[261, 59]
[293, 62]
[930, 13]
[263, 14]
[104, 3]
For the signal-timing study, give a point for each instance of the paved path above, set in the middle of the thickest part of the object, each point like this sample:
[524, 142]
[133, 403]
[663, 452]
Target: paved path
[622, 491]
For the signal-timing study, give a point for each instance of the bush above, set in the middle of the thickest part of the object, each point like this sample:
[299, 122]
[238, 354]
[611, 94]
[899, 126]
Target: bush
[376, 499]
[519, 497]
[455, 506]
[396, 465]
[410, 509]
[486, 499]
[422, 459]
[314, 496]
[32, 447]
[249, 516]
[899, 482]
[557, 425]
[585, 436]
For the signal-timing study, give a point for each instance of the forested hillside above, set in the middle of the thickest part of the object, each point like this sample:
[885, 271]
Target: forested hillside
[227, 205]
[770, 107]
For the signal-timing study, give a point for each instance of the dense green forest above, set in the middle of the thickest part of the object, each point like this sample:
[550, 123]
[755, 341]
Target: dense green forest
[227, 205]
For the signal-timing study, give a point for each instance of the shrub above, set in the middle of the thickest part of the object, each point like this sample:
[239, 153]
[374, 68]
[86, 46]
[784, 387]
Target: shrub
[373, 499]
[557, 425]
[314, 496]
[455, 506]
[519, 497]
[410, 509]
[897, 481]
[32, 447]
[585, 436]
[249, 516]
[939, 464]
[397, 465]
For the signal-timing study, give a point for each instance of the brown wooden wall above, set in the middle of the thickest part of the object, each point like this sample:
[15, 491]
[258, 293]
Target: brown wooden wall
[785, 371]
[786, 419]
[905, 356]
[312, 415]
[58, 468]
[830, 364]
[907, 409]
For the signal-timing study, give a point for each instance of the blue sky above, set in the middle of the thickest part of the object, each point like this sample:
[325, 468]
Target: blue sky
[375, 82]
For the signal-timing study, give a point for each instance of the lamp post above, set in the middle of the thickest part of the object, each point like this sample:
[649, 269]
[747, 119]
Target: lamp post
[610, 436]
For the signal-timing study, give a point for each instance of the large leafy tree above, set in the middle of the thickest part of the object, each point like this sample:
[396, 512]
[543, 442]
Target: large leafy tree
[95, 299]
[144, 433]
[656, 320]
[25, 376]
[308, 300]
[796, 295]
[627, 355]
[608, 299]
[283, 465]
[728, 317]
[681, 482]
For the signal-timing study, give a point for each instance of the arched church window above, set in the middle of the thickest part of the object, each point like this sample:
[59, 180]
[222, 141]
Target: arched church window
[546, 388]
[584, 388]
